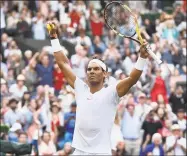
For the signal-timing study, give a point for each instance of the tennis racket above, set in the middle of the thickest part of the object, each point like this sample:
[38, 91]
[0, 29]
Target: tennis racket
[123, 22]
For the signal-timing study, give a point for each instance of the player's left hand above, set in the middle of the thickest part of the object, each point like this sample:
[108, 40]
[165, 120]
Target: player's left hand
[143, 51]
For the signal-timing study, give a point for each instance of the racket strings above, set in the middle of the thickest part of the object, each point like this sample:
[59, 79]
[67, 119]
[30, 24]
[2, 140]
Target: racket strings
[120, 19]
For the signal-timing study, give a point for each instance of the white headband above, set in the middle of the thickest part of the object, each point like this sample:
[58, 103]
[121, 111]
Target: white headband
[99, 62]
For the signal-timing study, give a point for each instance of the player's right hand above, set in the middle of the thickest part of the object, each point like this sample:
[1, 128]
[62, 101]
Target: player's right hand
[52, 29]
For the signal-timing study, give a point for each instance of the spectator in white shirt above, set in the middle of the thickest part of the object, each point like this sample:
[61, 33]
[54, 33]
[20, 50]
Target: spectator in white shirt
[79, 61]
[47, 147]
[19, 88]
[38, 27]
[176, 144]
[13, 115]
[181, 120]
[142, 109]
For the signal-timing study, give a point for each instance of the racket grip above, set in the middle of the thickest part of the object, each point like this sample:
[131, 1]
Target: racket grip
[149, 50]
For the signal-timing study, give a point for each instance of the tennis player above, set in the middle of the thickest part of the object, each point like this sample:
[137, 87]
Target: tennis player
[96, 104]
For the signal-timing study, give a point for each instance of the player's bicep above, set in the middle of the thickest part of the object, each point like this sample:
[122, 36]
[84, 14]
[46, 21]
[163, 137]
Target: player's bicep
[123, 86]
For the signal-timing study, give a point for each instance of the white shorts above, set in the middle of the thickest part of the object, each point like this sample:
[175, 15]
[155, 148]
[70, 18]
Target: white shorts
[79, 152]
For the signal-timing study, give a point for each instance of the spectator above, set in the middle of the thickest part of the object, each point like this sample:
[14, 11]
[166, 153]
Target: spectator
[83, 40]
[178, 15]
[150, 126]
[181, 121]
[69, 122]
[112, 56]
[66, 97]
[4, 68]
[14, 132]
[10, 77]
[177, 99]
[55, 117]
[116, 134]
[23, 26]
[46, 147]
[166, 130]
[78, 61]
[19, 88]
[96, 23]
[31, 118]
[158, 87]
[111, 37]
[98, 47]
[128, 63]
[176, 144]
[3, 22]
[27, 56]
[58, 79]
[156, 148]
[4, 88]
[13, 115]
[131, 125]
[149, 27]
[75, 17]
[45, 69]
[25, 99]
[121, 149]
[142, 108]
[22, 138]
[38, 27]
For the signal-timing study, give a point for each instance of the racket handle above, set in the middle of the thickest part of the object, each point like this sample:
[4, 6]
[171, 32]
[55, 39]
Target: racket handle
[149, 50]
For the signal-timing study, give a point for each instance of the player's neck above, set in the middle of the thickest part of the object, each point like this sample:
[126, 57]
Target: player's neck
[95, 87]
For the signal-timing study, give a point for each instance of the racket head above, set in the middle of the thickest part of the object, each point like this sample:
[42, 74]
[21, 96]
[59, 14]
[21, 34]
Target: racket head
[119, 18]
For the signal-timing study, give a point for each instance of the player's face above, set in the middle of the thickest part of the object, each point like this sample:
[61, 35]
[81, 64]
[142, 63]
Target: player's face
[95, 74]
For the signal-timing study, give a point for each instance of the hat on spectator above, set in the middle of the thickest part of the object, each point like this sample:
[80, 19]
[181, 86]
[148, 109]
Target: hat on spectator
[20, 77]
[16, 126]
[3, 81]
[175, 127]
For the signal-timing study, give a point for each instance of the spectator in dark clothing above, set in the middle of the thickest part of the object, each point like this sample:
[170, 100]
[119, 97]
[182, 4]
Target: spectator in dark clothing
[150, 126]
[178, 15]
[176, 56]
[23, 27]
[149, 27]
[43, 69]
[178, 100]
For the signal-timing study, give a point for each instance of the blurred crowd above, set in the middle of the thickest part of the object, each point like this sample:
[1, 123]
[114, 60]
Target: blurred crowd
[39, 106]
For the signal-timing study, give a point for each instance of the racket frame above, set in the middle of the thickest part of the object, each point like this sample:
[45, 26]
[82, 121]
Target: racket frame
[140, 41]
[117, 33]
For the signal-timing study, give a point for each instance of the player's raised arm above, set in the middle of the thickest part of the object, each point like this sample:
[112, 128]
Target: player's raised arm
[124, 85]
[59, 55]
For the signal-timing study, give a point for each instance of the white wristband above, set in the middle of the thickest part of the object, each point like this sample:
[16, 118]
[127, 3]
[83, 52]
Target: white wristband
[140, 63]
[55, 45]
